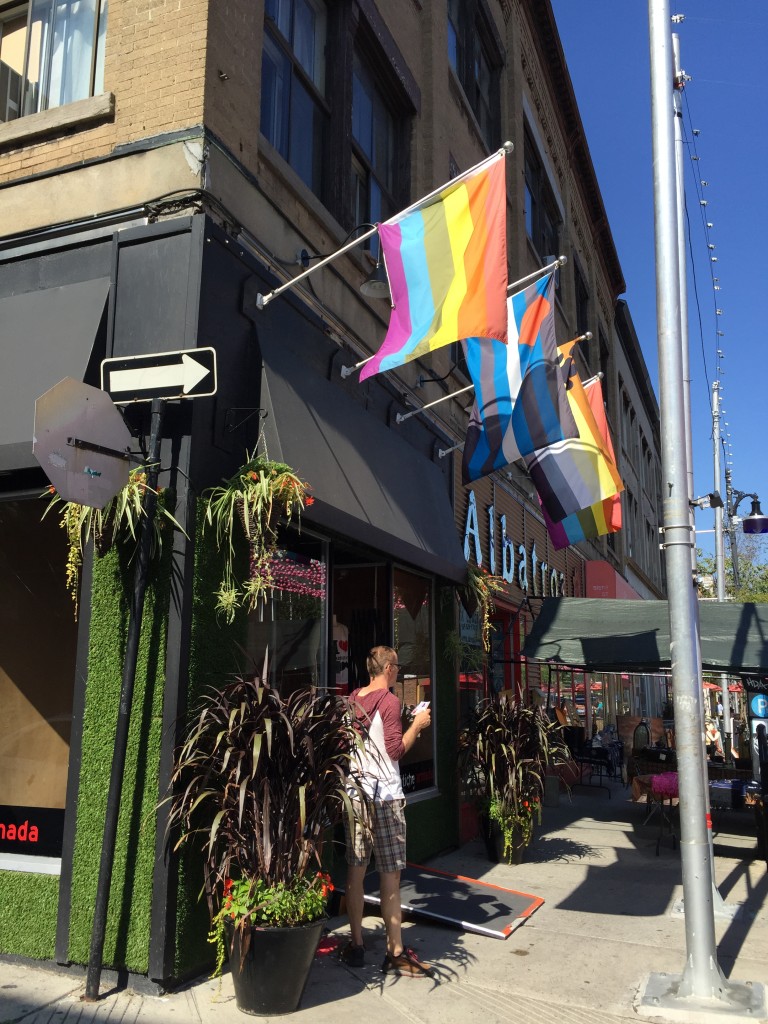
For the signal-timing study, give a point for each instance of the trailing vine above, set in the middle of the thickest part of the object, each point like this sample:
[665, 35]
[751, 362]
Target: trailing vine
[117, 522]
[479, 591]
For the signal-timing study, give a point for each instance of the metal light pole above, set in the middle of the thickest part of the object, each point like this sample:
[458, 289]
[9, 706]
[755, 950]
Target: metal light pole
[701, 982]
[720, 561]
[719, 544]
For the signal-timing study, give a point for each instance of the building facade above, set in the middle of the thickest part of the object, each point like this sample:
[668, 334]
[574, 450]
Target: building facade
[162, 169]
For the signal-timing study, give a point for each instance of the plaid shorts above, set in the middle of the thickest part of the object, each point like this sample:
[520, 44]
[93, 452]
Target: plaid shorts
[385, 836]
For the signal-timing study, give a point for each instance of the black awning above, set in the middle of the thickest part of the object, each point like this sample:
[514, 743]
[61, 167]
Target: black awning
[44, 336]
[368, 484]
[615, 635]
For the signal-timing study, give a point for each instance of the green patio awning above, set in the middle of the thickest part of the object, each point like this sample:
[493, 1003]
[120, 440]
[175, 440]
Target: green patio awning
[614, 635]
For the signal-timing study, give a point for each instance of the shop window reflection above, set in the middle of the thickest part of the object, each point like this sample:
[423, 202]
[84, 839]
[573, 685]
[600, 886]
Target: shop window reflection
[291, 622]
[413, 641]
[36, 692]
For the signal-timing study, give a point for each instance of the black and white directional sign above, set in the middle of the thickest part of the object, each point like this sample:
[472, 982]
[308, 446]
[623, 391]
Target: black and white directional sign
[184, 374]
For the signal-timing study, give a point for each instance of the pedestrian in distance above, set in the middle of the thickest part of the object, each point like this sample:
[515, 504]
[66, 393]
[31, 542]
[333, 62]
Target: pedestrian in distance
[381, 826]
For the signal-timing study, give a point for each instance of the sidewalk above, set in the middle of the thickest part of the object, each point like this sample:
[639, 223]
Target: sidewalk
[607, 923]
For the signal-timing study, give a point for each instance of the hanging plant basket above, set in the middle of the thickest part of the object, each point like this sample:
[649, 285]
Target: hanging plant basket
[117, 522]
[254, 501]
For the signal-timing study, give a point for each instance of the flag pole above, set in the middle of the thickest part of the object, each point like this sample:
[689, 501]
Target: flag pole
[559, 262]
[263, 300]
[402, 417]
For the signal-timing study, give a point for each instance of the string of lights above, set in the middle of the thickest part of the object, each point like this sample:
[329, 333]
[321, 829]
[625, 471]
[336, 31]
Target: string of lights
[701, 188]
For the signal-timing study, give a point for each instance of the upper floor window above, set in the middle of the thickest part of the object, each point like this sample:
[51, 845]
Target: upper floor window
[475, 56]
[582, 300]
[51, 53]
[373, 151]
[542, 221]
[293, 110]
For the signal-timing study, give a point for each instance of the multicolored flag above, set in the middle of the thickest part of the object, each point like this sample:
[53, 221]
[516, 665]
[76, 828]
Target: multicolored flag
[446, 260]
[579, 472]
[520, 398]
[604, 516]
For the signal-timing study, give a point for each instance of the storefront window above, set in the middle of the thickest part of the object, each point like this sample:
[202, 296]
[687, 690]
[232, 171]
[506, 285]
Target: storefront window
[413, 642]
[291, 623]
[38, 636]
[360, 617]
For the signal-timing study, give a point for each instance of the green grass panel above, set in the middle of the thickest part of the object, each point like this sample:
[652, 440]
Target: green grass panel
[130, 903]
[28, 908]
[213, 655]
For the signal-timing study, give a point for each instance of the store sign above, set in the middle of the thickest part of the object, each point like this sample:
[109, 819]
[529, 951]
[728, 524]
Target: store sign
[36, 831]
[515, 563]
[755, 684]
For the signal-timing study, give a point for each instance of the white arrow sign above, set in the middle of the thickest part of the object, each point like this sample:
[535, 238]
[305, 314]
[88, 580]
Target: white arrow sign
[183, 375]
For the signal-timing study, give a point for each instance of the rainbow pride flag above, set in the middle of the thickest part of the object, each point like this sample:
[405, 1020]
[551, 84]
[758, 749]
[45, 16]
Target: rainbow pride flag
[447, 265]
[579, 472]
[604, 516]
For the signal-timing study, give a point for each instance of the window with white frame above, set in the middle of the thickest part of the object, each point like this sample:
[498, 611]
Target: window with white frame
[51, 53]
[294, 114]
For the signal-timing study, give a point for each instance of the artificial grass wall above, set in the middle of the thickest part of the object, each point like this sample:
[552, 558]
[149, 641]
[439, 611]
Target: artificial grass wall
[28, 907]
[130, 902]
[212, 658]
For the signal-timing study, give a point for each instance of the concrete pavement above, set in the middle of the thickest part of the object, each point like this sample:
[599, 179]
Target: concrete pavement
[607, 923]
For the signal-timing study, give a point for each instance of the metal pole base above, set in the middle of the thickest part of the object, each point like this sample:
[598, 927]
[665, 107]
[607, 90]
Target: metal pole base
[721, 909]
[663, 996]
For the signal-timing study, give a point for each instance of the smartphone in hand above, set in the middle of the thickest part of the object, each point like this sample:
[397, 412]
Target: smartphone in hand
[421, 707]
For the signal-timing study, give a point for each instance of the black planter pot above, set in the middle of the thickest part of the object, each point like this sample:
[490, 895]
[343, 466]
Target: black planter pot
[275, 970]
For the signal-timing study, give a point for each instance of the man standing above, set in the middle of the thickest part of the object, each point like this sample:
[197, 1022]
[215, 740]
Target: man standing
[380, 715]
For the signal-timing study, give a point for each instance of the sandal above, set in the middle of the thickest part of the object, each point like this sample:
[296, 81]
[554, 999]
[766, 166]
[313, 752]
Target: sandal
[406, 965]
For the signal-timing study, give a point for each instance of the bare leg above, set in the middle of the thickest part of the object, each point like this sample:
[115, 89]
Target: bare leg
[391, 912]
[355, 902]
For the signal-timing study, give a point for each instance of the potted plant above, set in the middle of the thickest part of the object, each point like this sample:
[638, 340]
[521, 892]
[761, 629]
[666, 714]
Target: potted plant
[259, 782]
[505, 752]
[253, 501]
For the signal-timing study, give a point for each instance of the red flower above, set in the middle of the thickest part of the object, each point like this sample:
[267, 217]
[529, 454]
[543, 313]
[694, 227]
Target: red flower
[309, 500]
[51, 489]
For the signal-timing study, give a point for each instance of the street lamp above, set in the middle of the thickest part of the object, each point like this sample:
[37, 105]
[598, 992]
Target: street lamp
[755, 522]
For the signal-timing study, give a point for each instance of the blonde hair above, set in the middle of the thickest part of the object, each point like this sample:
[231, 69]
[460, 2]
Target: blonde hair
[378, 659]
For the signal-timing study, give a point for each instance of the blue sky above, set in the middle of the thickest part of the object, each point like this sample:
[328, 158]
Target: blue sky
[724, 48]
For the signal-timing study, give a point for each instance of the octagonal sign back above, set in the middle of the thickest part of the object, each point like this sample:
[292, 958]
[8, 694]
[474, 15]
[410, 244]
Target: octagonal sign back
[72, 411]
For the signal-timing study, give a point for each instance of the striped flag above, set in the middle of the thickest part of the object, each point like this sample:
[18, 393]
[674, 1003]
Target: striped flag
[447, 266]
[604, 516]
[520, 397]
[579, 472]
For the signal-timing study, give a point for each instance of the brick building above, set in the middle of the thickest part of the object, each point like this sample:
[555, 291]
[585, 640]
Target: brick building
[161, 165]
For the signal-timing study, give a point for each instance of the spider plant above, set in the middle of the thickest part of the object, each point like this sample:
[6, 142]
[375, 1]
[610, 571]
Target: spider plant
[117, 522]
[256, 498]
